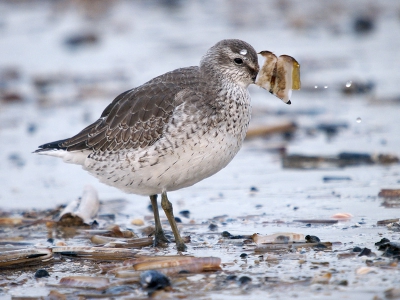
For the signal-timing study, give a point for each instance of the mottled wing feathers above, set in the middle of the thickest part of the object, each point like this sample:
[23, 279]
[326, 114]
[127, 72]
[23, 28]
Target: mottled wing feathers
[136, 118]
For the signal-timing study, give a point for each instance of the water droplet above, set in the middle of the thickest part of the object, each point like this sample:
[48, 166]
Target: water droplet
[243, 51]
[316, 86]
[325, 87]
[348, 83]
[358, 120]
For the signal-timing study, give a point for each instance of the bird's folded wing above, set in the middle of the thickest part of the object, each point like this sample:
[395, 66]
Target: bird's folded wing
[134, 119]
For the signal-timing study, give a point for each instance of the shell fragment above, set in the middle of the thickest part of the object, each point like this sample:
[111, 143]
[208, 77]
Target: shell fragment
[279, 75]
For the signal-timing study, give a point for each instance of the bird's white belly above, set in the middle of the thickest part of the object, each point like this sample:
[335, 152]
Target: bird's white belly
[149, 172]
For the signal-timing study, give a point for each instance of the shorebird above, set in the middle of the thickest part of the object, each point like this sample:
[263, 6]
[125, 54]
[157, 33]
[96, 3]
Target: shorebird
[171, 132]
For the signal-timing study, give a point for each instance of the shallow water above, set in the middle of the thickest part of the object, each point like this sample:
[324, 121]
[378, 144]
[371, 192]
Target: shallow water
[139, 40]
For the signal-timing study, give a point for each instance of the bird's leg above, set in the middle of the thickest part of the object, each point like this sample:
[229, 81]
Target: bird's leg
[167, 206]
[159, 236]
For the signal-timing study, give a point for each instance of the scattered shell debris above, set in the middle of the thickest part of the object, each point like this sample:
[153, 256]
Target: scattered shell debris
[114, 260]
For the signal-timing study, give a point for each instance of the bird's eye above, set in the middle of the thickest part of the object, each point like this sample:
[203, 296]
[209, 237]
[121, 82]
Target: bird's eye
[238, 61]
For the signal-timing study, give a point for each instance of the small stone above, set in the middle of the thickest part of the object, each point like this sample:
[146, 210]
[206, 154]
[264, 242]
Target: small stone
[363, 24]
[226, 234]
[343, 282]
[213, 227]
[137, 222]
[185, 214]
[357, 249]
[253, 189]
[365, 252]
[41, 273]
[178, 220]
[243, 255]
[154, 280]
[244, 280]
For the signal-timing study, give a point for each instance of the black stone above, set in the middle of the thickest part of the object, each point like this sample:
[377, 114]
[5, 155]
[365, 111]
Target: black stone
[41, 273]
[365, 252]
[357, 249]
[154, 280]
[178, 220]
[226, 234]
[244, 280]
[185, 213]
[243, 255]
[363, 25]
[312, 239]
[253, 189]
[231, 277]
[212, 227]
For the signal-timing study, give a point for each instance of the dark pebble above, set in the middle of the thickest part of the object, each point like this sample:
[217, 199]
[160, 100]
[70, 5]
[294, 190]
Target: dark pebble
[244, 280]
[212, 227]
[308, 225]
[154, 280]
[295, 208]
[357, 249]
[50, 240]
[243, 255]
[312, 239]
[231, 277]
[183, 272]
[253, 189]
[226, 234]
[94, 225]
[41, 273]
[363, 24]
[343, 282]
[150, 207]
[185, 213]
[258, 206]
[365, 252]
[178, 220]
[382, 241]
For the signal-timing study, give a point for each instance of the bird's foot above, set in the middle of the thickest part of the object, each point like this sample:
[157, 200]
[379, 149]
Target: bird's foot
[180, 246]
[160, 240]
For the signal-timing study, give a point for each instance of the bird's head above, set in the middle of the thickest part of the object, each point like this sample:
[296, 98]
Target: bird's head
[234, 59]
